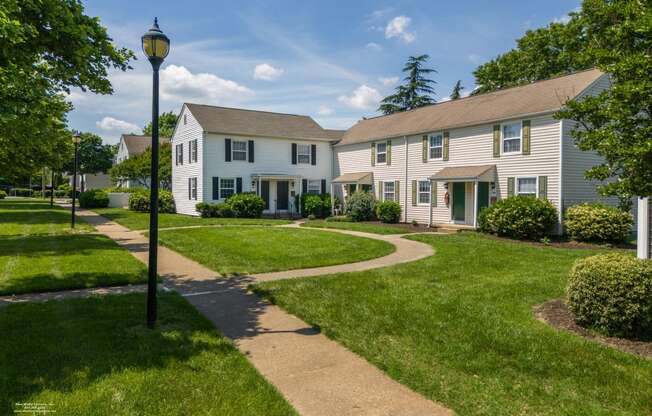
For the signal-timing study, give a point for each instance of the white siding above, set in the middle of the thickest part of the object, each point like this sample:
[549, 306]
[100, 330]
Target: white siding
[180, 173]
[122, 154]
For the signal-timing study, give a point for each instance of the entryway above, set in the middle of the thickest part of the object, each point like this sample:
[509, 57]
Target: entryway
[277, 191]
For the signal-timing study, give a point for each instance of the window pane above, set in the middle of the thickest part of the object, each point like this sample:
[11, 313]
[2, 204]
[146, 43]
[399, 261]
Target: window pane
[303, 153]
[240, 146]
[511, 130]
[436, 153]
[381, 147]
[527, 186]
[381, 157]
[424, 192]
[227, 188]
[513, 145]
[436, 140]
[314, 187]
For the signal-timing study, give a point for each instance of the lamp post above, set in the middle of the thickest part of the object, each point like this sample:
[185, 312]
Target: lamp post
[156, 47]
[76, 139]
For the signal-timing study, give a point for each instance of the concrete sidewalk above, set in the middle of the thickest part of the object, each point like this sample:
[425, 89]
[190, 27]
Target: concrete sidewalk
[317, 376]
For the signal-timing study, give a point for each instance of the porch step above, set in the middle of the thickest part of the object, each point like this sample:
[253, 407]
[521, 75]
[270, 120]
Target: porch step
[451, 228]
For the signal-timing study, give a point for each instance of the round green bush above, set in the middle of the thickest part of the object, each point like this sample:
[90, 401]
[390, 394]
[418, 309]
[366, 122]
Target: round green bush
[360, 206]
[139, 201]
[3, 194]
[598, 223]
[388, 211]
[94, 198]
[219, 210]
[246, 205]
[612, 293]
[521, 217]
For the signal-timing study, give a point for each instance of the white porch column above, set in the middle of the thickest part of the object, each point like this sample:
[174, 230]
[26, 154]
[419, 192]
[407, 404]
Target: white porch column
[332, 199]
[475, 204]
[644, 237]
[432, 183]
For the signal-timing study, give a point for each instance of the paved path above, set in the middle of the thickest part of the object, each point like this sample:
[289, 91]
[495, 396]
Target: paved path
[318, 376]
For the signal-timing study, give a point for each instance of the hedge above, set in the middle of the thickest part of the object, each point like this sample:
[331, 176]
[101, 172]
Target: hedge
[139, 201]
[246, 205]
[218, 210]
[318, 205]
[360, 206]
[599, 223]
[388, 211]
[94, 198]
[521, 217]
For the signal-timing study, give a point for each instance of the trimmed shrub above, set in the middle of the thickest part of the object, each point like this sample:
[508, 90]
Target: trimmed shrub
[388, 211]
[317, 205]
[3, 194]
[221, 209]
[95, 198]
[360, 206]
[60, 194]
[521, 217]
[246, 205]
[598, 223]
[139, 201]
[612, 293]
[21, 192]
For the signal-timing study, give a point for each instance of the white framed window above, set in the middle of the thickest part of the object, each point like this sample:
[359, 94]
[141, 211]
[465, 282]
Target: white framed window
[526, 186]
[192, 189]
[511, 133]
[179, 154]
[227, 187]
[193, 150]
[239, 150]
[423, 191]
[314, 186]
[185, 120]
[303, 154]
[436, 146]
[388, 192]
[381, 152]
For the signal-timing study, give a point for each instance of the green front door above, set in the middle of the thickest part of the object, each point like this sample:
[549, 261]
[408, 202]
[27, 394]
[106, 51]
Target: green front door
[483, 195]
[459, 201]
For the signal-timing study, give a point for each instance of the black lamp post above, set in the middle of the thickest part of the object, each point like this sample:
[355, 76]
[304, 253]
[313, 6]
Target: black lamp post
[156, 46]
[76, 139]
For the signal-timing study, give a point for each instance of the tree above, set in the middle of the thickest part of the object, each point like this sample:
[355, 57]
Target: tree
[94, 156]
[417, 91]
[138, 168]
[48, 47]
[617, 124]
[166, 124]
[540, 54]
[457, 90]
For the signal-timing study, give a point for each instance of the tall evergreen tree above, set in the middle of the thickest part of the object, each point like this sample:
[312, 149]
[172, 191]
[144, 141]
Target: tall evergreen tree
[415, 92]
[457, 90]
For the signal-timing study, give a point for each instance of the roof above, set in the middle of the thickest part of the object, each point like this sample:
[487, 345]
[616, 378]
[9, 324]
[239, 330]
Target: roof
[356, 177]
[481, 172]
[535, 98]
[237, 121]
[138, 144]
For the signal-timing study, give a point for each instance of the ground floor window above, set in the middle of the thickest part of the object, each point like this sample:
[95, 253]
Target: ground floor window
[389, 194]
[526, 186]
[227, 187]
[192, 188]
[314, 186]
[424, 192]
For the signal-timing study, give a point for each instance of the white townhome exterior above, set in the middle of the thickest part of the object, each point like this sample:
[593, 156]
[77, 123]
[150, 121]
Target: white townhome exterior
[131, 145]
[218, 151]
[442, 163]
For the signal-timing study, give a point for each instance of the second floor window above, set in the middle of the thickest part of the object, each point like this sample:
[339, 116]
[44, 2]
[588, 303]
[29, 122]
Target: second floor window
[179, 154]
[436, 146]
[389, 194]
[512, 137]
[381, 153]
[193, 150]
[303, 154]
[239, 150]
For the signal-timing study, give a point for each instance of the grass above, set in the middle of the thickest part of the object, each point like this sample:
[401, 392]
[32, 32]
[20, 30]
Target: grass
[244, 250]
[31, 216]
[39, 253]
[458, 327]
[140, 220]
[96, 356]
[367, 227]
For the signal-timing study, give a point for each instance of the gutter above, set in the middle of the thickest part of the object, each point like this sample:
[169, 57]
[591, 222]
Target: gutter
[405, 215]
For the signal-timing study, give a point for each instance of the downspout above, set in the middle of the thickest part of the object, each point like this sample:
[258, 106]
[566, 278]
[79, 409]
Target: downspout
[405, 188]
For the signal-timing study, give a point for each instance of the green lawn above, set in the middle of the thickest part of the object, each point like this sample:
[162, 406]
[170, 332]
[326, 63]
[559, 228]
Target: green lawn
[96, 357]
[367, 227]
[458, 327]
[140, 220]
[32, 216]
[39, 253]
[243, 250]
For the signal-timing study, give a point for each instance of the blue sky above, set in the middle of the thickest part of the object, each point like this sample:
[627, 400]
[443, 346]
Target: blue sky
[332, 60]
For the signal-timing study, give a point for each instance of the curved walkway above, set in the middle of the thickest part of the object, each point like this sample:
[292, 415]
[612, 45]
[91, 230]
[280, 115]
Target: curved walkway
[318, 376]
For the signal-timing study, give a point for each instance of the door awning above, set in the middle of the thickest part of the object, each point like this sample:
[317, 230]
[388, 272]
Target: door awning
[363, 178]
[482, 173]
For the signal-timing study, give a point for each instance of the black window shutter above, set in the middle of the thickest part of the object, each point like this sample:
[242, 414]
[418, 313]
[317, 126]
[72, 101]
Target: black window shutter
[251, 151]
[238, 185]
[216, 188]
[190, 151]
[323, 186]
[181, 154]
[313, 154]
[294, 153]
[189, 188]
[304, 186]
[227, 150]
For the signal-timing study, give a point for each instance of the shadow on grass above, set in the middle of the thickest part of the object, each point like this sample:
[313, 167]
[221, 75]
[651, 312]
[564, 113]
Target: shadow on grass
[66, 346]
[44, 282]
[39, 245]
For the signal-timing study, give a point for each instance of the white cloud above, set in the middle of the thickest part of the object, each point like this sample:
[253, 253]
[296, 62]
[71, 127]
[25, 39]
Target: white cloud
[267, 72]
[373, 46]
[178, 83]
[567, 17]
[389, 81]
[324, 110]
[474, 59]
[113, 124]
[362, 97]
[398, 28]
